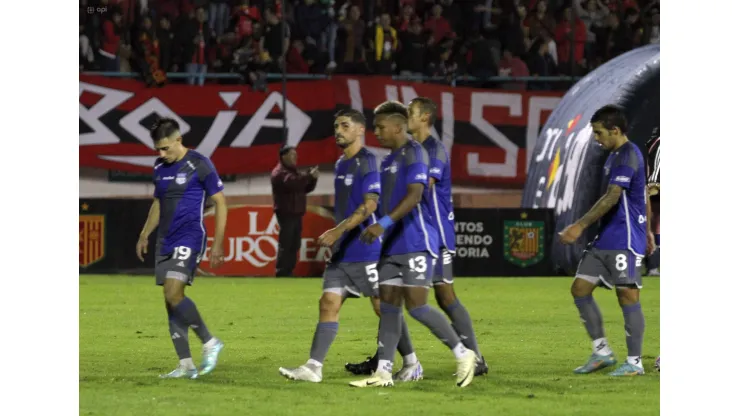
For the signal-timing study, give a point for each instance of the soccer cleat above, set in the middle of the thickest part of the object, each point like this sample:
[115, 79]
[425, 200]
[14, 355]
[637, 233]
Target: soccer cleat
[466, 368]
[366, 367]
[181, 372]
[627, 370]
[302, 373]
[413, 372]
[481, 367]
[379, 379]
[596, 362]
[210, 357]
[657, 364]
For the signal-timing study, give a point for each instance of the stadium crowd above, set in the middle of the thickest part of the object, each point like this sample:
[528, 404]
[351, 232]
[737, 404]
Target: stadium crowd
[443, 38]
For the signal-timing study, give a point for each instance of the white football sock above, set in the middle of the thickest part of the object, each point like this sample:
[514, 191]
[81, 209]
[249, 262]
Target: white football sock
[601, 347]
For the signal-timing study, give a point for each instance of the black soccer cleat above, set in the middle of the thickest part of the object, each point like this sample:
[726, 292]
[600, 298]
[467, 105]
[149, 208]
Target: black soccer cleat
[481, 367]
[366, 367]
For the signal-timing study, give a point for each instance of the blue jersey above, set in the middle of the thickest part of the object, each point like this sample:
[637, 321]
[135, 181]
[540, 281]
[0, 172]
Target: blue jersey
[353, 179]
[414, 232]
[624, 227]
[440, 195]
[182, 188]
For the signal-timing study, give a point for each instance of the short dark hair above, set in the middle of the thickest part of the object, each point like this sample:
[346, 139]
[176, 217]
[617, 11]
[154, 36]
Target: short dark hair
[354, 115]
[611, 116]
[426, 105]
[163, 128]
[390, 108]
[285, 149]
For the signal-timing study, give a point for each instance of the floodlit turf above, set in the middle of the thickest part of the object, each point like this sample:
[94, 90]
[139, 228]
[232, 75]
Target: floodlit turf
[528, 329]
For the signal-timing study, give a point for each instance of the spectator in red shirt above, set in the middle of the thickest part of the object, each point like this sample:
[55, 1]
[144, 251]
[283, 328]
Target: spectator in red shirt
[540, 21]
[196, 67]
[407, 15]
[565, 36]
[512, 66]
[438, 25]
[111, 42]
[294, 61]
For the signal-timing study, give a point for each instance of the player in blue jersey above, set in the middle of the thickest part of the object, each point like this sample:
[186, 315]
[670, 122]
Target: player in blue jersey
[614, 258]
[422, 113]
[352, 270]
[409, 248]
[183, 180]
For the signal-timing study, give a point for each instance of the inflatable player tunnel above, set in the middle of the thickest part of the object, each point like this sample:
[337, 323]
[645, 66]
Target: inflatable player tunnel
[565, 170]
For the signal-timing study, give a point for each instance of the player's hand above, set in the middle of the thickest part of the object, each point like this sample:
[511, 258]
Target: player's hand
[330, 237]
[371, 233]
[571, 233]
[653, 189]
[650, 243]
[141, 248]
[217, 257]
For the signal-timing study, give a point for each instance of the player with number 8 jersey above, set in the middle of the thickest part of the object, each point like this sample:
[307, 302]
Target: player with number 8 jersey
[183, 181]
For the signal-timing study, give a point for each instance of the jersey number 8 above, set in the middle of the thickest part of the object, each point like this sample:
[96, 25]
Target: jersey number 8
[621, 262]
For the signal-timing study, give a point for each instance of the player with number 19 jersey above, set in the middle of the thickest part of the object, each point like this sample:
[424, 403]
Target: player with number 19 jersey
[182, 189]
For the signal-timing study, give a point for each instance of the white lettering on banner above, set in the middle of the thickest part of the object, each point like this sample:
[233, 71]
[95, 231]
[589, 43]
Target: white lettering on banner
[470, 240]
[479, 100]
[260, 247]
[297, 122]
[111, 98]
[536, 106]
[573, 164]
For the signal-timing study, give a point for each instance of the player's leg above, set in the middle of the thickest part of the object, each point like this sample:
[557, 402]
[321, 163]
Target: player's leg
[628, 294]
[179, 274]
[444, 293]
[333, 296]
[417, 270]
[391, 324]
[586, 280]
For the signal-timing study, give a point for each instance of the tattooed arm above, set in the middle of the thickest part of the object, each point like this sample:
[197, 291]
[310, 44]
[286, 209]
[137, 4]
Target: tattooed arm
[602, 206]
[362, 212]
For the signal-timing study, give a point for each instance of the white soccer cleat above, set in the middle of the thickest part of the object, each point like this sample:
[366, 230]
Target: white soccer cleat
[181, 372]
[412, 372]
[379, 379]
[466, 368]
[302, 373]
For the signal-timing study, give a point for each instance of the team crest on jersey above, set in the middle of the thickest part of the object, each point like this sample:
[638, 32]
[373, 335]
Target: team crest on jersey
[394, 168]
[92, 239]
[181, 178]
[524, 242]
[348, 179]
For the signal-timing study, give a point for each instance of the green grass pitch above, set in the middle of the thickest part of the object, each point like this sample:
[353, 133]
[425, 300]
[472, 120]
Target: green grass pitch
[528, 330]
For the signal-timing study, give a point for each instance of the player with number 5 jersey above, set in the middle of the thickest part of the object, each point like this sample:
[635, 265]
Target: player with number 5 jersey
[352, 268]
[183, 181]
[614, 258]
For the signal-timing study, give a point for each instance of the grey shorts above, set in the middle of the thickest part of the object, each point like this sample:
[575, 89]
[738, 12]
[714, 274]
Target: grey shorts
[410, 269]
[443, 268]
[610, 268]
[351, 279]
[179, 266]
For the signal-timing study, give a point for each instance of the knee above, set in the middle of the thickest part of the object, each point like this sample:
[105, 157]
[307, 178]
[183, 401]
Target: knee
[628, 296]
[581, 288]
[445, 296]
[173, 297]
[329, 304]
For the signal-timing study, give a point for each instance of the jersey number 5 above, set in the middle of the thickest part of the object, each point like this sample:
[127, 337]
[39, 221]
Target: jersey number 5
[182, 253]
[372, 272]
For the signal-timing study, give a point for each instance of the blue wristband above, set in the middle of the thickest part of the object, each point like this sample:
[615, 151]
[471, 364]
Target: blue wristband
[385, 222]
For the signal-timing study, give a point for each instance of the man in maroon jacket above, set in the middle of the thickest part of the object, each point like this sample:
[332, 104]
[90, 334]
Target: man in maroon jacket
[289, 189]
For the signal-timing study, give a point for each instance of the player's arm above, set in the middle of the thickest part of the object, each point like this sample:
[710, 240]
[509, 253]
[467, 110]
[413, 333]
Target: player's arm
[289, 181]
[152, 221]
[363, 212]
[222, 212]
[602, 206]
[214, 189]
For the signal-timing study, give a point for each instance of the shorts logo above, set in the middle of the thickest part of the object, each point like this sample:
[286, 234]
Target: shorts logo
[524, 242]
[92, 239]
[181, 178]
[348, 179]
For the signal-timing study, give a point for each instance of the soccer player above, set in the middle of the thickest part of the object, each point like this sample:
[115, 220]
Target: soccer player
[183, 180]
[352, 270]
[653, 186]
[422, 113]
[409, 248]
[613, 259]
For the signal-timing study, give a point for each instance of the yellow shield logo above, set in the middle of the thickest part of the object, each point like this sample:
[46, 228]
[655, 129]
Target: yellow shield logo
[92, 239]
